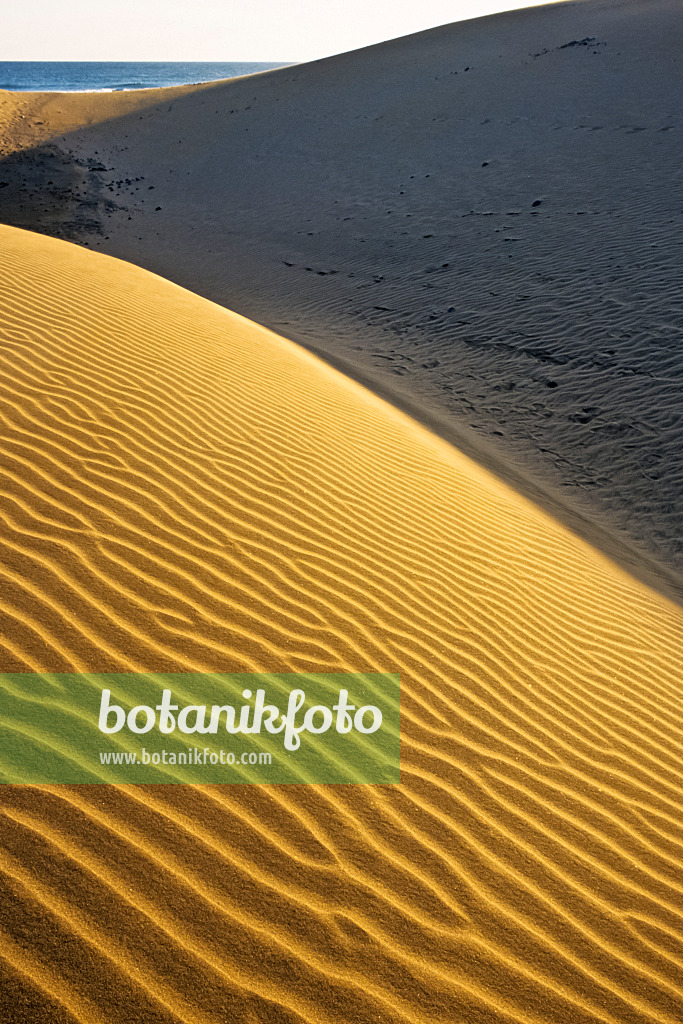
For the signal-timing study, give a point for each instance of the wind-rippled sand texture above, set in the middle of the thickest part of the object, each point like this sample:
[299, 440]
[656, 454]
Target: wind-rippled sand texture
[184, 490]
[482, 221]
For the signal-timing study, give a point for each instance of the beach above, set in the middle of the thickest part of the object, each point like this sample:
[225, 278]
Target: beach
[364, 365]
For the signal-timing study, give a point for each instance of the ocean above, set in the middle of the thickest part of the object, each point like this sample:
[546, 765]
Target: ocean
[110, 76]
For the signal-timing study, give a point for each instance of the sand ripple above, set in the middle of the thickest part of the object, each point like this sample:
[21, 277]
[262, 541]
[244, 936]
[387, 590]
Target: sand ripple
[183, 490]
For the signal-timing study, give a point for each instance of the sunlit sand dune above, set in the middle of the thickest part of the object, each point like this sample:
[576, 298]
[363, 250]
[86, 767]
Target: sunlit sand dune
[183, 490]
[480, 222]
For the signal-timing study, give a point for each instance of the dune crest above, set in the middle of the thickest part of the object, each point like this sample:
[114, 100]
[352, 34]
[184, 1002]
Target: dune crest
[184, 490]
[478, 221]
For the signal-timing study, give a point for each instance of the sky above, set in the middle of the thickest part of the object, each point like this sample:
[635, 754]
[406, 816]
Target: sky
[220, 30]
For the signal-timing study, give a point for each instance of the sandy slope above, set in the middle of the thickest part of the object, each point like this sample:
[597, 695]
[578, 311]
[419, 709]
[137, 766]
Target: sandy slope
[182, 489]
[379, 206]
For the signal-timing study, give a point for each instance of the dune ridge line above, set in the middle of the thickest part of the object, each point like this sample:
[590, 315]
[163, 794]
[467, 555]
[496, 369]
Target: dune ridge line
[184, 490]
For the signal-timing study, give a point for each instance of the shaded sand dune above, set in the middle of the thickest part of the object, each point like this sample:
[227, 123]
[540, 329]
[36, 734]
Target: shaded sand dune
[480, 222]
[183, 490]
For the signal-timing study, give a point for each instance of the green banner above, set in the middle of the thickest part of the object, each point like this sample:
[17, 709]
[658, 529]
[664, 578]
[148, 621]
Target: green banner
[199, 728]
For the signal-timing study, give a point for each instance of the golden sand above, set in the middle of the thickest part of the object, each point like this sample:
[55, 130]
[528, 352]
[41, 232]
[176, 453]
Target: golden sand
[478, 222]
[184, 490]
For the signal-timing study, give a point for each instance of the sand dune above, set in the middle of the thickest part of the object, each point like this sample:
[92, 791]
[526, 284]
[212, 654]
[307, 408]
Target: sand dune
[479, 222]
[184, 490]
